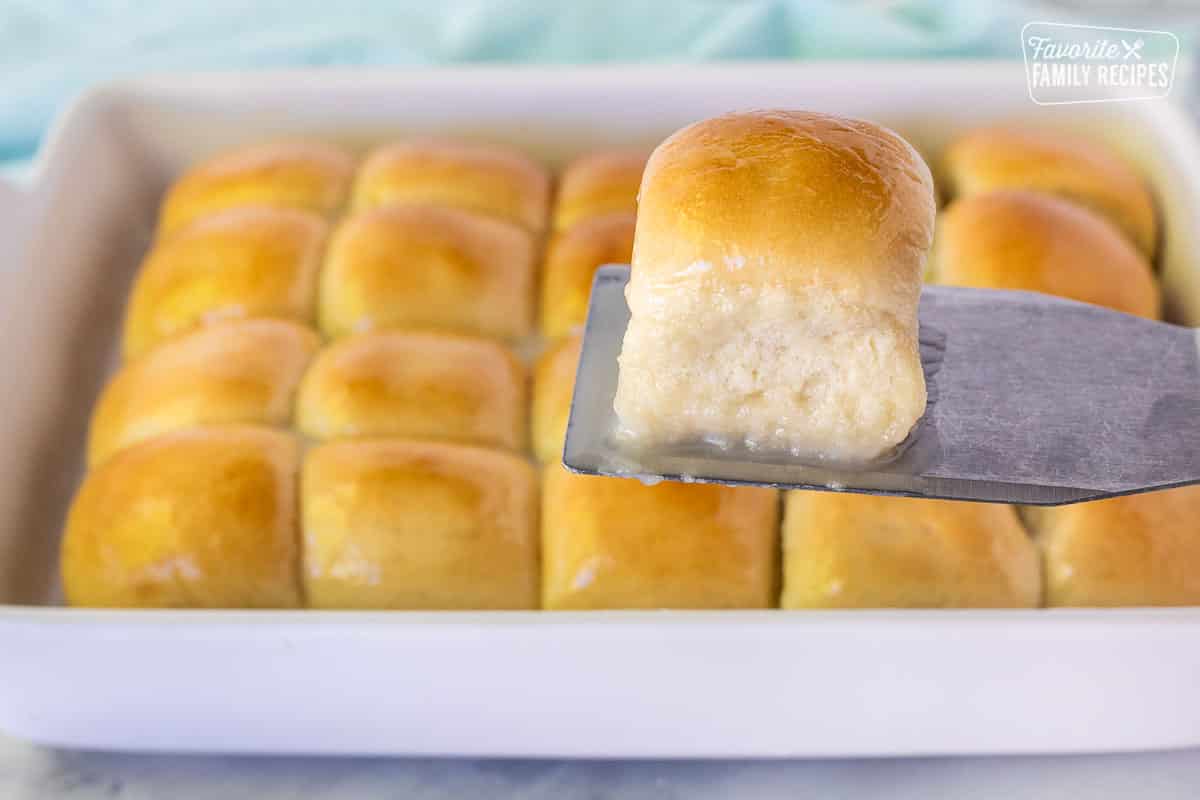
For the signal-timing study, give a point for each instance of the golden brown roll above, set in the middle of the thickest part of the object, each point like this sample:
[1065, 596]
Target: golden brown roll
[1037, 242]
[776, 272]
[237, 372]
[572, 258]
[860, 551]
[297, 174]
[244, 263]
[428, 267]
[423, 385]
[1139, 550]
[597, 184]
[496, 181]
[553, 387]
[615, 543]
[1056, 163]
[198, 518]
[400, 524]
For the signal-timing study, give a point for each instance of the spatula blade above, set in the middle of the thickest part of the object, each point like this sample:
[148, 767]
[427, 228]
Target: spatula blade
[1032, 399]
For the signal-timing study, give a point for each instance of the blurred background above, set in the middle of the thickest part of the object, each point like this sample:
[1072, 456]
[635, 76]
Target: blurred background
[51, 49]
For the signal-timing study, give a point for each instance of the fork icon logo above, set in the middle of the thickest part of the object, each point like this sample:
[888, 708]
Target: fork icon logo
[1133, 49]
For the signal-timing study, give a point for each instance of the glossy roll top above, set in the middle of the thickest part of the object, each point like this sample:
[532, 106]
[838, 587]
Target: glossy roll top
[244, 371]
[1040, 243]
[615, 543]
[416, 384]
[786, 199]
[1140, 550]
[598, 183]
[428, 267]
[487, 179]
[312, 176]
[234, 517]
[572, 258]
[858, 551]
[391, 523]
[239, 264]
[198, 518]
[1055, 162]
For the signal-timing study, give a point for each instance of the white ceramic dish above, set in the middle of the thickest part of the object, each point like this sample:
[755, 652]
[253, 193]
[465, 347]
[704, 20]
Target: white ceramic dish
[600, 684]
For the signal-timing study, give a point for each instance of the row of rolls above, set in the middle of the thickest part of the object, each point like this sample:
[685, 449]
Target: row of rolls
[325, 402]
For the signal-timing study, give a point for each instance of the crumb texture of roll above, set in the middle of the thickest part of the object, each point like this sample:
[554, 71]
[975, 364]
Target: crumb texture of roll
[572, 258]
[244, 371]
[597, 184]
[1059, 163]
[488, 179]
[1015, 239]
[776, 272]
[239, 264]
[199, 518]
[416, 384]
[553, 388]
[613, 543]
[313, 176]
[1138, 550]
[428, 267]
[859, 551]
[401, 524]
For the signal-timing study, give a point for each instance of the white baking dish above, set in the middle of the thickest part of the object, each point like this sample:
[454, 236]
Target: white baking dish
[599, 684]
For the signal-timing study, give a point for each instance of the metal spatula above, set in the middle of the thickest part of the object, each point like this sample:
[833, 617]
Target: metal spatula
[1032, 399]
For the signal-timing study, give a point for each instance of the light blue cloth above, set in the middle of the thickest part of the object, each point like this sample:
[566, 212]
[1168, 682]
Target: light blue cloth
[51, 49]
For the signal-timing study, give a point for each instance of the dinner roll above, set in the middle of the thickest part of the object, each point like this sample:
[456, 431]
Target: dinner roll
[861, 551]
[197, 518]
[296, 174]
[553, 388]
[487, 179]
[243, 371]
[572, 258]
[428, 267]
[597, 184]
[424, 385]
[1138, 550]
[244, 263]
[616, 543]
[1057, 163]
[776, 272]
[393, 523]
[1037, 242]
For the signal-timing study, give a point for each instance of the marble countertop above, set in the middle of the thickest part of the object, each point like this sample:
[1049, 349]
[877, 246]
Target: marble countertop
[30, 772]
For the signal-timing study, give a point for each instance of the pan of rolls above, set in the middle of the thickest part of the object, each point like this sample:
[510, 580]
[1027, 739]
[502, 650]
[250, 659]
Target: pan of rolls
[336, 374]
